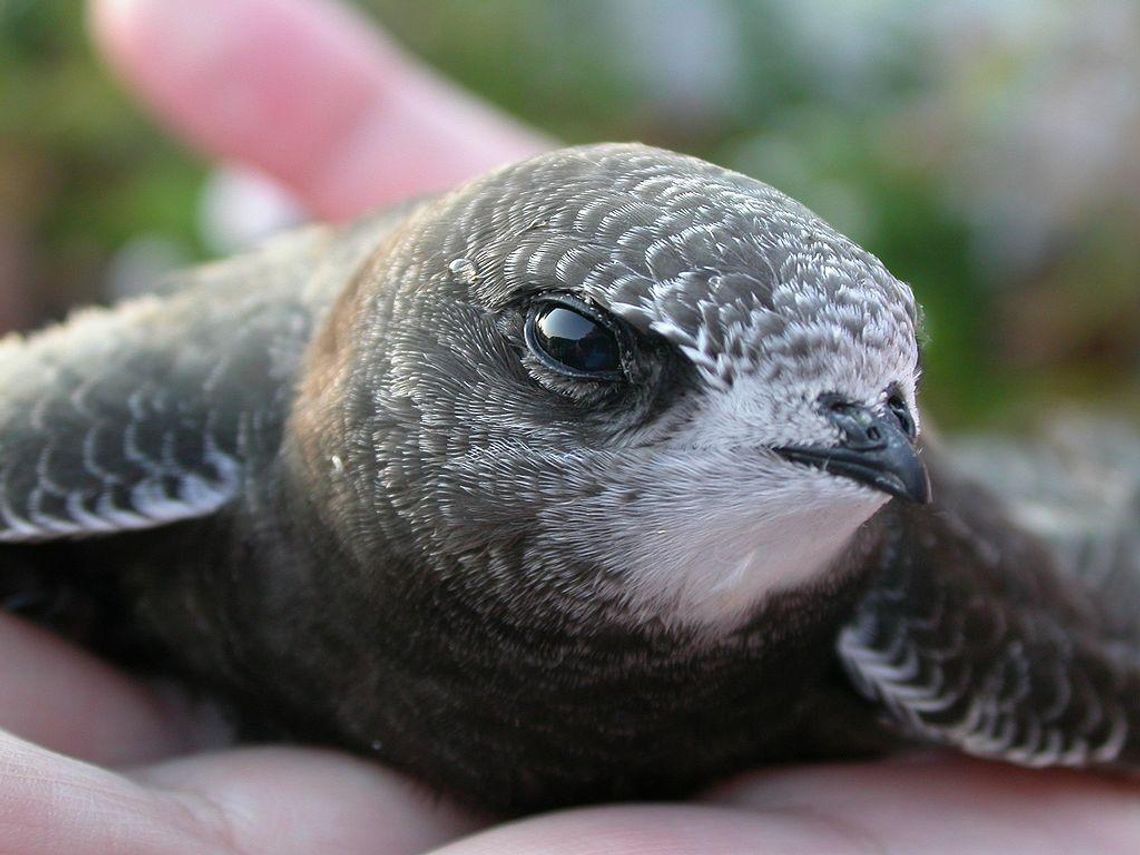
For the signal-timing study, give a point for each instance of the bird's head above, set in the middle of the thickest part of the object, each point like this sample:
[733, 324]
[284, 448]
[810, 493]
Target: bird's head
[614, 371]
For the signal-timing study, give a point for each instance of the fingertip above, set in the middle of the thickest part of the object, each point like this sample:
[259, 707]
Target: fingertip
[306, 91]
[106, 19]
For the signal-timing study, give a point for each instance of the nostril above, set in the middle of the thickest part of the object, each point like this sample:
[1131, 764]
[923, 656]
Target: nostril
[855, 422]
[836, 405]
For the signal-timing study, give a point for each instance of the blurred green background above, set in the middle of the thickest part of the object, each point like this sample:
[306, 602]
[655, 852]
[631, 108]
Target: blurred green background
[987, 151]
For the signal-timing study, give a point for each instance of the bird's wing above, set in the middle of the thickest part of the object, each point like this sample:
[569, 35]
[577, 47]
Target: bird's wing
[973, 635]
[148, 413]
[1076, 486]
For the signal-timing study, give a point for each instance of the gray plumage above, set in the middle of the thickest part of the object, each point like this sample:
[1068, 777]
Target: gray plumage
[573, 484]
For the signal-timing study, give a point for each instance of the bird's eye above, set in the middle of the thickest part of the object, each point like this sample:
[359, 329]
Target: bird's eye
[574, 339]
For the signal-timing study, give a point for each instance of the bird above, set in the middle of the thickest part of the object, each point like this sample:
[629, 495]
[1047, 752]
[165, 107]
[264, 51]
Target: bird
[600, 477]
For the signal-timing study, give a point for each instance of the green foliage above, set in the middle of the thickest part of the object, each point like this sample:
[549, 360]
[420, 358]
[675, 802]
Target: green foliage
[82, 172]
[92, 172]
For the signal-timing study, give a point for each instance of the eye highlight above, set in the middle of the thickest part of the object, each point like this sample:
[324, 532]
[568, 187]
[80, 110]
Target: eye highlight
[574, 339]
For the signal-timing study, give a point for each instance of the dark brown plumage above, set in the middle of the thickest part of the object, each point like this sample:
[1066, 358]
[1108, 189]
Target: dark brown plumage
[568, 486]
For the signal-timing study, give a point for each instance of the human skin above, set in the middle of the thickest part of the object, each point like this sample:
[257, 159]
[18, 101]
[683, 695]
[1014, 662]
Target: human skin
[95, 761]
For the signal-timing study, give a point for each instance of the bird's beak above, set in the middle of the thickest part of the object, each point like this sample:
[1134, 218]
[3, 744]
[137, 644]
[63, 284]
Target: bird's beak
[875, 450]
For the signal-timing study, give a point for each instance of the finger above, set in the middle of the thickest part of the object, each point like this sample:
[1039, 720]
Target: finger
[296, 800]
[71, 702]
[269, 800]
[682, 829]
[937, 804]
[50, 803]
[307, 91]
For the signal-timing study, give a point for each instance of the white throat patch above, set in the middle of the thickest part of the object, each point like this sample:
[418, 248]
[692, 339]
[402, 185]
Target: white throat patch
[701, 523]
[710, 534]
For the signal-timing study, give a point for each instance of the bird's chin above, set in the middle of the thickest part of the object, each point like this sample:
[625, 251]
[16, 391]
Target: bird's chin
[708, 557]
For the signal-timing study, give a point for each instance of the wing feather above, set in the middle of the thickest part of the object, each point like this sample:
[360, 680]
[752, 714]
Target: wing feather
[148, 413]
[973, 636]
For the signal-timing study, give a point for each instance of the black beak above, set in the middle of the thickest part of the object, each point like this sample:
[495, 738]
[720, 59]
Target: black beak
[877, 450]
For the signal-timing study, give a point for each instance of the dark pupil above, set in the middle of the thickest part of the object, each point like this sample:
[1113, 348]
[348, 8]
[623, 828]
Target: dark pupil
[576, 341]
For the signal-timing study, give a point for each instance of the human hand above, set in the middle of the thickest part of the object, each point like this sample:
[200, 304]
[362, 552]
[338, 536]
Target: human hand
[304, 91]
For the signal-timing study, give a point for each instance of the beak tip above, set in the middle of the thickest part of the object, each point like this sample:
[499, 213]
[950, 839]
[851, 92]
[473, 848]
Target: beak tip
[915, 488]
[887, 461]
